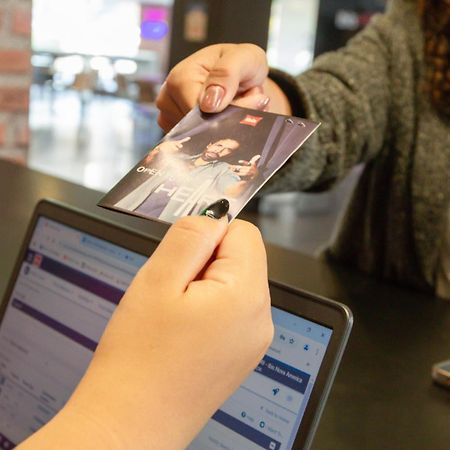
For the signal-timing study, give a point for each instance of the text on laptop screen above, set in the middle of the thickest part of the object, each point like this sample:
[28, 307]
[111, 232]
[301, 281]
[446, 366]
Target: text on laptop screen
[67, 288]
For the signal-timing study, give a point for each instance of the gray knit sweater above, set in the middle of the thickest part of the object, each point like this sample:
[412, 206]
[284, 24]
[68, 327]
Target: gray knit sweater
[369, 99]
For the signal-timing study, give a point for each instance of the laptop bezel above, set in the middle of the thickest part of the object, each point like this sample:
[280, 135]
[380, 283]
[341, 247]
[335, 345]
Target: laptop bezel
[318, 309]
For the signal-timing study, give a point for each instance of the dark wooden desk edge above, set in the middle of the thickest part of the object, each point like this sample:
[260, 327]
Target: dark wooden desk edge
[21, 189]
[398, 333]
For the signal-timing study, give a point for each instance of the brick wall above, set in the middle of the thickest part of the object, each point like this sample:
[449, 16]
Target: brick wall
[15, 77]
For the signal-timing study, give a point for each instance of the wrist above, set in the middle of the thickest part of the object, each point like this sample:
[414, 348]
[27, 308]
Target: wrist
[291, 90]
[279, 103]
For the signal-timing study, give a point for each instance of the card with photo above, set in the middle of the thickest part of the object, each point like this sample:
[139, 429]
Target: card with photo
[206, 157]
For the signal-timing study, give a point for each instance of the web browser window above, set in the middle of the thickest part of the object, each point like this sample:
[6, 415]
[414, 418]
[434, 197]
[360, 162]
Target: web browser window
[68, 286]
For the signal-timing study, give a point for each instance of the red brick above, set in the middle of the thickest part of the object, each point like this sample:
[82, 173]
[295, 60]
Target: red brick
[15, 61]
[14, 99]
[22, 136]
[15, 156]
[21, 21]
[2, 134]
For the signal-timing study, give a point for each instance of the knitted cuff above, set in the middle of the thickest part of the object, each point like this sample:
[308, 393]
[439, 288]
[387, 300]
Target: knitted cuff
[289, 86]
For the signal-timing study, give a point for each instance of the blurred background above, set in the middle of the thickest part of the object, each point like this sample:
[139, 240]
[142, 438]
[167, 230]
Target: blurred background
[78, 81]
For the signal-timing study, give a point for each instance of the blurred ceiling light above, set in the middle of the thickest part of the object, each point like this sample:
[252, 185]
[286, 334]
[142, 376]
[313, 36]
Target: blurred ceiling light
[303, 60]
[99, 63]
[69, 64]
[346, 20]
[125, 66]
[41, 60]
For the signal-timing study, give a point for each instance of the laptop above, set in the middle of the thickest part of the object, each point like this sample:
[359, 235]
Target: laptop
[71, 273]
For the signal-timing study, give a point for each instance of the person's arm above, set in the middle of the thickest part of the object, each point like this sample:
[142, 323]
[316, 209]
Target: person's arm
[173, 351]
[348, 91]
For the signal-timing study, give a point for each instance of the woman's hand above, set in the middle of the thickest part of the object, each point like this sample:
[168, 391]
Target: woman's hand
[193, 324]
[214, 77]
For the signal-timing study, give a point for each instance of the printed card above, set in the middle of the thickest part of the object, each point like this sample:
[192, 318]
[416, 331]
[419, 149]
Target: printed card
[207, 157]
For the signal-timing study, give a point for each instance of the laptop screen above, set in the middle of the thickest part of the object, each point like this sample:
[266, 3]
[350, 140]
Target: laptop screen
[67, 288]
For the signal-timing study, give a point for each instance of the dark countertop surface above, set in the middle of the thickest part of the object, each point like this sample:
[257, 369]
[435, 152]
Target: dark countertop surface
[383, 397]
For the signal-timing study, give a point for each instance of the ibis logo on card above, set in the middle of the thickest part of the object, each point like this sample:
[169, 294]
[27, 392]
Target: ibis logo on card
[251, 120]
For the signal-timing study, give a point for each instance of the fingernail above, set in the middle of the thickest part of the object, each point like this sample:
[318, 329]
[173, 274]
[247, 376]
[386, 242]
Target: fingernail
[217, 210]
[262, 104]
[212, 98]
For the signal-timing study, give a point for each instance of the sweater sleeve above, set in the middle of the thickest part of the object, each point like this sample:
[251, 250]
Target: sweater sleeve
[348, 91]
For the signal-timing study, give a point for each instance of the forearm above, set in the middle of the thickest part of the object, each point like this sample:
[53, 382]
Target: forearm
[111, 411]
[72, 430]
[348, 92]
[141, 402]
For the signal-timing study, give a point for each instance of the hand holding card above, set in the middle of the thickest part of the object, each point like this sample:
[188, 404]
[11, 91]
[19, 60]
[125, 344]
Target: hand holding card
[207, 157]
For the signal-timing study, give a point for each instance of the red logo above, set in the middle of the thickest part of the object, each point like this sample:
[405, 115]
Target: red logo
[37, 260]
[251, 120]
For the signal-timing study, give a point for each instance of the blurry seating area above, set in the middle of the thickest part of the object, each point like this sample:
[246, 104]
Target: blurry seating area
[91, 117]
[128, 78]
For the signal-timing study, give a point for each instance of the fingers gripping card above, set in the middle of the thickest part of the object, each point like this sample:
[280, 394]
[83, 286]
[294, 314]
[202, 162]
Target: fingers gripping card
[207, 157]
